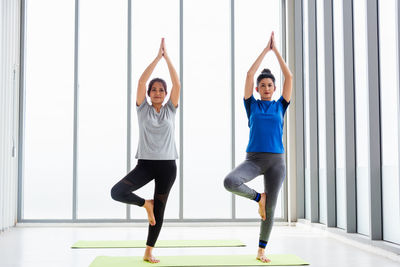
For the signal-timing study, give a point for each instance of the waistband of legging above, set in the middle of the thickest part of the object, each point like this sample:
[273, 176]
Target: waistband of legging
[264, 155]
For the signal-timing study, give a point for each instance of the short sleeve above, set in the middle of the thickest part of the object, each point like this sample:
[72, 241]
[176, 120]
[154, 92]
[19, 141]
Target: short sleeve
[247, 104]
[144, 104]
[284, 103]
[171, 106]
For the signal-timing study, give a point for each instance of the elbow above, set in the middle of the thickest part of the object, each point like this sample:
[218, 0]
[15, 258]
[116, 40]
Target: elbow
[176, 88]
[177, 85]
[250, 76]
[142, 82]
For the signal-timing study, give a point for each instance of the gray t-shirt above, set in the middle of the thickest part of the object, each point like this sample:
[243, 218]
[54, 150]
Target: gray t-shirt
[156, 132]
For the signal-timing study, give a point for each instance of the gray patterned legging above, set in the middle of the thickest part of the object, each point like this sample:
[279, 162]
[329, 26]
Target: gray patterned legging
[273, 167]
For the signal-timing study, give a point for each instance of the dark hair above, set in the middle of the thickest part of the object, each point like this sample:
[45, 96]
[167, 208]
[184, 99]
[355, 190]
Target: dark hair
[266, 73]
[157, 80]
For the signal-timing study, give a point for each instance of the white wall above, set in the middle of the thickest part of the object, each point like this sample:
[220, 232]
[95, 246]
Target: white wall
[9, 76]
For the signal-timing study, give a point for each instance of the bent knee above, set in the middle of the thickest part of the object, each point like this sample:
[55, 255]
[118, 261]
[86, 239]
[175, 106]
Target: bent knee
[231, 183]
[116, 193]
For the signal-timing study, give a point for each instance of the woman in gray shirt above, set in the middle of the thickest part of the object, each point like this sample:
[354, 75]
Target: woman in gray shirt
[156, 152]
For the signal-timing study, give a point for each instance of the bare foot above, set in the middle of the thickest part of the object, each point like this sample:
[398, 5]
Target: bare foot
[148, 256]
[261, 255]
[149, 206]
[261, 204]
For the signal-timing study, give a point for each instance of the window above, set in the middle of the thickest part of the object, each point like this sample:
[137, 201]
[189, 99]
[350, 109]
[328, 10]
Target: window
[206, 122]
[321, 112]
[306, 65]
[251, 37]
[102, 131]
[49, 107]
[362, 124]
[389, 73]
[145, 44]
[339, 115]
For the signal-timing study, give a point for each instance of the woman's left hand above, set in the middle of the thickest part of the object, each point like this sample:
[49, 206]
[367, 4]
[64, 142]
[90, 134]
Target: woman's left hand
[164, 48]
[273, 43]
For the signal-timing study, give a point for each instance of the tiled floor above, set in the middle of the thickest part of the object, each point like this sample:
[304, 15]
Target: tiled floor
[50, 246]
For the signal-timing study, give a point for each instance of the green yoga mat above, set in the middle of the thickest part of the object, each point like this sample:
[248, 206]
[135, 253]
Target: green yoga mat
[159, 244]
[204, 260]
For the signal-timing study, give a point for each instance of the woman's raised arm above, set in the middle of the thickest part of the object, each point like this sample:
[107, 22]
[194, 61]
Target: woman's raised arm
[141, 89]
[176, 85]
[287, 85]
[249, 85]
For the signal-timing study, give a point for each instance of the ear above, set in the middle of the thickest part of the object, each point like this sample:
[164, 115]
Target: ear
[274, 88]
[257, 89]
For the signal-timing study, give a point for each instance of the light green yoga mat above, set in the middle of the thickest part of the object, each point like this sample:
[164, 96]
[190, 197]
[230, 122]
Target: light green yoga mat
[204, 260]
[159, 244]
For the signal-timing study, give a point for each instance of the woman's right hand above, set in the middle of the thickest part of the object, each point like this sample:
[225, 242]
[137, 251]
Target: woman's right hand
[273, 43]
[160, 50]
[270, 44]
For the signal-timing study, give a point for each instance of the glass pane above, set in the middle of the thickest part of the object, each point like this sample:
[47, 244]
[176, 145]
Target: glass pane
[321, 112]
[389, 119]
[49, 110]
[102, 107]
[207, 127]
[339, 115]
[362, 124]
[249, 19]
[145, 45]
[306, 113]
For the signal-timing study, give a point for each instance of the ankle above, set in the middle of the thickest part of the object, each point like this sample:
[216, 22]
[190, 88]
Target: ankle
[147, 203]
[148, 250]
[262, 244]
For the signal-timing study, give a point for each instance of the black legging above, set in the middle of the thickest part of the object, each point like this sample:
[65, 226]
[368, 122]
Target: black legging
[164, 173]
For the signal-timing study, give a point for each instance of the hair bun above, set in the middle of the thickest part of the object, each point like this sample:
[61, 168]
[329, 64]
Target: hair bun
[266, 71]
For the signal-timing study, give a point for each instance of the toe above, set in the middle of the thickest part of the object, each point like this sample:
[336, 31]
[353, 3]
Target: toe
[265, 259]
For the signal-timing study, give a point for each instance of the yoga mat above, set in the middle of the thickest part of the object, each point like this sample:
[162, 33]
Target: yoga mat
[159, 244]
[199, 260]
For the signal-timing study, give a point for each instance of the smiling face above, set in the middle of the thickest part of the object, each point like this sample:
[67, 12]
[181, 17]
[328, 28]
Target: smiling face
[266, 89]
[157, 93]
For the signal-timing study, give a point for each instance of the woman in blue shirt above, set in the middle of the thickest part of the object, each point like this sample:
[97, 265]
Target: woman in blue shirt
[265, 152]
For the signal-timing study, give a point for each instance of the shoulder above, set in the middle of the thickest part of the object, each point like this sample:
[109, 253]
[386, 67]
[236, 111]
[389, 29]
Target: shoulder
[250, 100]
[283, 102]
[145, 105]
[170, 106]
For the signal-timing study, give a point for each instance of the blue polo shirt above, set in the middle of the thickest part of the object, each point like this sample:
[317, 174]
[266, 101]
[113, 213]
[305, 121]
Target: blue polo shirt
[266, 124]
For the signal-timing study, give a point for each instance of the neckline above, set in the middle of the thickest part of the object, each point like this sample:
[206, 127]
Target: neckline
[155, 110]
[267, 101]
